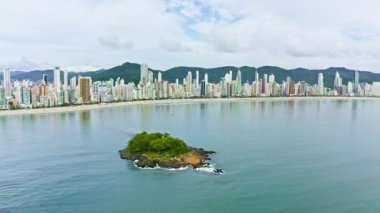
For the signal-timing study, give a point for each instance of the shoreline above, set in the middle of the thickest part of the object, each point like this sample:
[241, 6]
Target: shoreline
[166, 101]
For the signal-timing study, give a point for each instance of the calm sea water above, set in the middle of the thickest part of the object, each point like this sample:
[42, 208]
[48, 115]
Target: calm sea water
[279, 156]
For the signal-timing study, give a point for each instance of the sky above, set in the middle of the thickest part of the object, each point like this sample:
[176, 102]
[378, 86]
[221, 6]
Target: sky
[86, 35]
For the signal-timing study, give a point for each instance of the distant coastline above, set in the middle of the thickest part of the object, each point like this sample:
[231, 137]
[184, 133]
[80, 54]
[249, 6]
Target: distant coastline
[167, 101]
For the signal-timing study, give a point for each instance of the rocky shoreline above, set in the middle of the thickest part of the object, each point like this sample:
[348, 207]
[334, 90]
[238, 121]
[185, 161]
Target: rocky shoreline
[197, 157]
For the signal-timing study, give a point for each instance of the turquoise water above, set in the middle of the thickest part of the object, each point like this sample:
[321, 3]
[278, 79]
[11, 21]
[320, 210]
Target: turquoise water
[279, 156]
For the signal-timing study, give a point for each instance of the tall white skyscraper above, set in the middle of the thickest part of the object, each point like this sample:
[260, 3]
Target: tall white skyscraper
[57, 79]
[65, 79]
[144, 73]
[271, 79]
[189, 81]
[206, 78]
[320, 83]
[150, 77]
[159, 76]
[256, 77]
[197, 79]
[356, 82]
[350, 88]
[7, 82]
[73, 83]
[337, 81]
[238, 82]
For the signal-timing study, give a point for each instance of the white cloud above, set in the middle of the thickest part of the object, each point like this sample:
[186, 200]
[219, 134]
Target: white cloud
[24, 64]
[114, 42]
[88, 34]
[174, 46]
[81, 68]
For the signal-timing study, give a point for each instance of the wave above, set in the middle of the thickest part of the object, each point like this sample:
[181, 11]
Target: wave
[163, 168]
[209, 168]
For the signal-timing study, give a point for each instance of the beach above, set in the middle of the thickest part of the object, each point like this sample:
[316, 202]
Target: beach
[165, 101]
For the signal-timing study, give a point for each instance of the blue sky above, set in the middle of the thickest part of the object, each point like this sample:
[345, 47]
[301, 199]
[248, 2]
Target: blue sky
[87, 35]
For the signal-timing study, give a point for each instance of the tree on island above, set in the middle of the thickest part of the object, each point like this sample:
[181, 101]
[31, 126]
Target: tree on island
[160, 149]
[157, 145]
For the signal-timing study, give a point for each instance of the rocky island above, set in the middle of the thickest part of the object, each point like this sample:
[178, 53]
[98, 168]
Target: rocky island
[160, 149]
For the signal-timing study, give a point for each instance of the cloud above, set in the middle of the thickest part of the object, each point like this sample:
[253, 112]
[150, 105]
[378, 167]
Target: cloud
[173, 46]
[81, 68]
[167, 33]
[24, 64]
[196, 11]
[115, 43]
[361, 31]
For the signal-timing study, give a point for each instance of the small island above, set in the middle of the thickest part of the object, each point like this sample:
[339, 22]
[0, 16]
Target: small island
[160, 149]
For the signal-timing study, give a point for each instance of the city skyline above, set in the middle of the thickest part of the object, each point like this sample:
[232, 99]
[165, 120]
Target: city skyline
[82, 90]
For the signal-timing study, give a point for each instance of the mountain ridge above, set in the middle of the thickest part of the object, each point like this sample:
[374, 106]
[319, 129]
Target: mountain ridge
[130, 72]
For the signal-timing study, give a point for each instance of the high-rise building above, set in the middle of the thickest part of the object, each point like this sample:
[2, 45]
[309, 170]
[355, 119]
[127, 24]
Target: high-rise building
[256, 77]
[320, 84]
[144, 73]
[2, 96]
[57, 80]
[73, 83]
[203, 88]
[376, 89]
[159, 76]
[271, 79]
[7, 82]
[206, 78]
[196, 79]
[65, 79]
[44, 79]
[84, 89]
[263, 85]
[150, 76]
[189, 82]
[356, 83]
[26, 96]
[238, 82]
[350, 88]
[338, 83]
[292, 88]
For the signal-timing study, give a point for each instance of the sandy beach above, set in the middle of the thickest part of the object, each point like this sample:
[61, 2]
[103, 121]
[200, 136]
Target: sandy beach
[167, 101]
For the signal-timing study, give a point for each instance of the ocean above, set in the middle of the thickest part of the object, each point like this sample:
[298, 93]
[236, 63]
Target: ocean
[278, 156]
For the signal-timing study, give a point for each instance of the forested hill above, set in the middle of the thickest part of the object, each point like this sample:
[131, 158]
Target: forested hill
[130, 72]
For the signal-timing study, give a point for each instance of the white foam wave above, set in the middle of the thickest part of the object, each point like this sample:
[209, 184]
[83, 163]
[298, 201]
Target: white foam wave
[209, 169]
[158, 167]
[205, 169]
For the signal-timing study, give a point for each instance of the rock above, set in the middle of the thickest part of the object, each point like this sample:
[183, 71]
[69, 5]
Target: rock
[195, 158]
[128, 155]
[146, 162]
[209, 152]
[218, 171]
[169, 163]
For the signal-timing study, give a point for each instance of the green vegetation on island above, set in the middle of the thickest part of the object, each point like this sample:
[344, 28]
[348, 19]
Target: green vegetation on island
[157, 145]
[160, 149]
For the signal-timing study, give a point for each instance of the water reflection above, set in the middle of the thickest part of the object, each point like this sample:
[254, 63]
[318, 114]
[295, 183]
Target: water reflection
[203, 109]
[354, 109]
[85, 116]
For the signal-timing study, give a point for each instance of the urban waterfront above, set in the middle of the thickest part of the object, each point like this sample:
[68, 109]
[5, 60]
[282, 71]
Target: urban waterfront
[27, 94]
[283, 155]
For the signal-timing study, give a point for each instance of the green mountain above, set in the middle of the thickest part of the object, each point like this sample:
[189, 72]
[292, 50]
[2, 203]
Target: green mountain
[130, 72]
